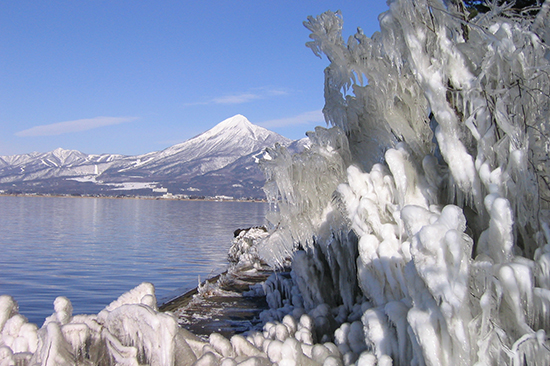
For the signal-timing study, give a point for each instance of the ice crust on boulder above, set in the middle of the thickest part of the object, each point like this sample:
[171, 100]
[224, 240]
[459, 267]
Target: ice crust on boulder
[244, 248]
[128, 332]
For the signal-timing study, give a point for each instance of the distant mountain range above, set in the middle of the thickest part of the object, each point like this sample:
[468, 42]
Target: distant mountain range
[219, 162]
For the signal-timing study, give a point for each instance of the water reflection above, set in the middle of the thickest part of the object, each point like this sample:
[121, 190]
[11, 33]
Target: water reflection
[92, 250]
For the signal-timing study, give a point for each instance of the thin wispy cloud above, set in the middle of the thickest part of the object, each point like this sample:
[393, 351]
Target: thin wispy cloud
[241, 98]
[301, 119]
[78, 125]
[237, 98]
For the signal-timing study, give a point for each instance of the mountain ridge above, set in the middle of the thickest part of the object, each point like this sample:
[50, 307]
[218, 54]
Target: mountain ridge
[179, 170]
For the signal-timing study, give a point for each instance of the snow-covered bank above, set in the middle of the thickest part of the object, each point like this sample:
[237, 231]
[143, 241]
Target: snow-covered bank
[417, 225]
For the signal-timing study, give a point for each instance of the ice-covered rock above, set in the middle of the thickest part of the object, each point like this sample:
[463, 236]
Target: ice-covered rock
[127, 332]
[244, 249]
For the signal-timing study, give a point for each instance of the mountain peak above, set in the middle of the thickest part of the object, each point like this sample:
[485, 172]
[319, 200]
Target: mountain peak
[238, 121]
[234, 129]
[218, 161]
[64, 153]
[61, 150]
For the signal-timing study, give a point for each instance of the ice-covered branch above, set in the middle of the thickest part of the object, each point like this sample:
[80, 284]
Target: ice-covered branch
[445, 200]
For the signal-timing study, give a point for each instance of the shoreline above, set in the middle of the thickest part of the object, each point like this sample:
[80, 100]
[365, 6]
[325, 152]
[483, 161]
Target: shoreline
[152, 198]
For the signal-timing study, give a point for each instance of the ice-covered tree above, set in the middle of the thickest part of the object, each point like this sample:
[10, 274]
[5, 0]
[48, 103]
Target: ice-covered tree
[424, 210]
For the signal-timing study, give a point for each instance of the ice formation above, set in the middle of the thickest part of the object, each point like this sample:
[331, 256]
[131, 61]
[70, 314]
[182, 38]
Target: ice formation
[418, 223]
[130, 331]
[417, 226]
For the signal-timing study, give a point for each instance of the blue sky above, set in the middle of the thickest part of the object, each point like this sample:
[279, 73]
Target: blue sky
[131, 77]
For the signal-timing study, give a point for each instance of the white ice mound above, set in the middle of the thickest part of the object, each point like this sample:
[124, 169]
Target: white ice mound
[130, 331]
[244, 248]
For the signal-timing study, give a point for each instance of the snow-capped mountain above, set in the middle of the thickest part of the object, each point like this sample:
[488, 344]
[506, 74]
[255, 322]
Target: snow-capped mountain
[220, 161]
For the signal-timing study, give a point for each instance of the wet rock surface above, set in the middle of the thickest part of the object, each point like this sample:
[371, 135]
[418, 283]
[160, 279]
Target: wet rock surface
[227, 304]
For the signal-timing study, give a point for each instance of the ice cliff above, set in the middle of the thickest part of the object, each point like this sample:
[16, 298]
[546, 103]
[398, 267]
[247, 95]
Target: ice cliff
[417, 224]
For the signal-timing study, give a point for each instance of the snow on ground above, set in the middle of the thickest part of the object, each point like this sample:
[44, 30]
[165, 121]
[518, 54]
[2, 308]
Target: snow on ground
[134, 185]
[126, 186]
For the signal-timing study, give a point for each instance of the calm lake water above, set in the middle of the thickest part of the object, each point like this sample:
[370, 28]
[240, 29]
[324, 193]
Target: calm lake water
[92, 250]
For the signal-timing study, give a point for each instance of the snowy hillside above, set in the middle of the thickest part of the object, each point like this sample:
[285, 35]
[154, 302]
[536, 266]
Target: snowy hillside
[187, 168]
